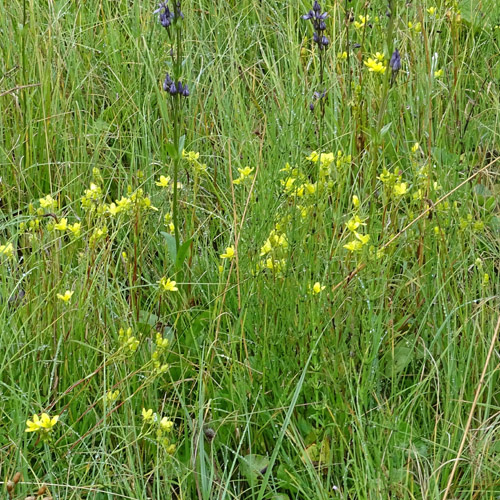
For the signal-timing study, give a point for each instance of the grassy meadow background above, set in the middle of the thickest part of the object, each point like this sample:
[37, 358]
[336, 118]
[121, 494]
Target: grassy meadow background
[316, 362]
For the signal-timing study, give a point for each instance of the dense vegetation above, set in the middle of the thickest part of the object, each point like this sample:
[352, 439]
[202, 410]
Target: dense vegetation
[283, 285]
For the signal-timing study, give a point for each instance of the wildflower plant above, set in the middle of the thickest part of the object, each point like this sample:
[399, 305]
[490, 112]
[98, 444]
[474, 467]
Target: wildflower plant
[171, 19]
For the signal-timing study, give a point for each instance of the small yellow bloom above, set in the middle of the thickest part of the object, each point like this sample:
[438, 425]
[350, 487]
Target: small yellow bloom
[415, 147]
[48, 202]
[45, 423]
[362, 21]
[62, 225]
[7, 250]
[163, 181]
[75, 229]
[166, 424]
[112, 396]
[379, 56]
[148, 415]
[354, 223]
[354, 246]
[66, 297]
[168, 285]
[317, 288]
[375, 66]
[355, 201]
[229, 253]
[438, 73]
[363, 238]
[431, 10]
[342, 55]
[400, 189]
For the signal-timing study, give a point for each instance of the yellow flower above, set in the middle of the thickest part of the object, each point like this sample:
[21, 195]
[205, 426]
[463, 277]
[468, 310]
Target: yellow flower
[438, 73]
[168, 285]
[400, 189]
[229, 253]
[342, 55]
[354, 246]
[355, 201]
[415, 147]
[317, 288]
[354, 223]
[363, 238]
[112, 396]
[362, 21]
[431, 10]
[48, 202]
[314, 156]
[191, 156]
[45, 423]
[62, 225]
[166, 424]
[416, 27]
[7, 250]
[66, 297]
[379, 56]
[375, 66]
[148, 415]
[163, 181]
[75, 229]
[244, 174]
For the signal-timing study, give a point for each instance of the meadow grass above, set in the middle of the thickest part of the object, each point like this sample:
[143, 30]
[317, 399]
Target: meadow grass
[348, 348]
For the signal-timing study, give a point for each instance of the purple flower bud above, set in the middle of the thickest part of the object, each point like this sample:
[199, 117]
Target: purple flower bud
[322, 26]
[308, 16]
[185, 91]
[311, 106]
[324, 41]
[316, 6]
[395, 62]
[180, 88]
[167, 82]
[316, 37]
[173, 89]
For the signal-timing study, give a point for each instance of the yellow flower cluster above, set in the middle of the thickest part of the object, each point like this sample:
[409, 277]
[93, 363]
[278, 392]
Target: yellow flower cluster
[392, 182]
[245, 174]
[161, 346]
[167, 285]
[164, 426]
[127, 340]
[192, 157]
[43, 424]
[7, 250]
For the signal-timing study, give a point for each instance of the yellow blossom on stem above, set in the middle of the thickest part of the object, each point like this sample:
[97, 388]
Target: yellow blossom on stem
[48, 202]
[362, 21]
[229, 254]
[400, 189]
[317, 288]
[44, 423]
[148, 415]
[163, 181]
[75, 229]
[354, 246]
[168, 285]
[355, 201]
[62, 225]
[375, 66]
[7, 250]
[66, 296]
[166, 424]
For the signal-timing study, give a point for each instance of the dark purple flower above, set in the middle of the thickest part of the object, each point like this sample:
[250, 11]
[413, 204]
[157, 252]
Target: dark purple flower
[185, 91]
[395, 62]
[167, 83]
